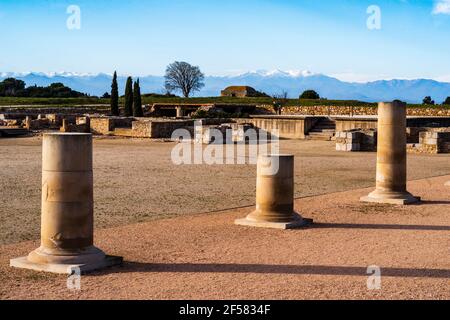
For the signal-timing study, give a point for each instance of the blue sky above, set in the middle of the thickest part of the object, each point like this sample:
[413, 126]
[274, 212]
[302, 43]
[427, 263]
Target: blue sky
[140, 37]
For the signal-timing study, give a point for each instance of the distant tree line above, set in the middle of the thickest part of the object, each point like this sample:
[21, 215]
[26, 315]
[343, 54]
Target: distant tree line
[11, 87]
[429, 101]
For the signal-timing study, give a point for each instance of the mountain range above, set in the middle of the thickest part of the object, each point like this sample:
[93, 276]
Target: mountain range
[270, 82]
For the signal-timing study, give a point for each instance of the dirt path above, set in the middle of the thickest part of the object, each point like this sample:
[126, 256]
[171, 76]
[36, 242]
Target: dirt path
[207, 257]
[136, 181]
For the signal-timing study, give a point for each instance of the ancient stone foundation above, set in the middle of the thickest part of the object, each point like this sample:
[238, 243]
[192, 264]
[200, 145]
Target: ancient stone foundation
[80, 125]
[433, 142]
[391, 156]
[153, 128]
[231, 133]
[275, 195]
[356, 140]
[67, 226]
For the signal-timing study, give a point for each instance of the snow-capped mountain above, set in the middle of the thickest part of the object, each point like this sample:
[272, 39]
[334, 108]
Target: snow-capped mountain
[270, 82]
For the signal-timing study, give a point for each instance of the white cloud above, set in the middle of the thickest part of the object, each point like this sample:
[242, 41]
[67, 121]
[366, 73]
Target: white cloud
[442, 7]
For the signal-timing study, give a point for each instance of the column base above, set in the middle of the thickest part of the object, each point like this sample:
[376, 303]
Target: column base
[395, 198]
[65, 262]
[24, 263]
[296, 223]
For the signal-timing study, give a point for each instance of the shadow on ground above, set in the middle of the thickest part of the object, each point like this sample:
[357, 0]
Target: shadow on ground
[378, 226]
[275, 269]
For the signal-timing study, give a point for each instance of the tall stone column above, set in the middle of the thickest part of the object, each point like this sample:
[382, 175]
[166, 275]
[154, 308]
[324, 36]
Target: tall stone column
[391, 156]
[275, 195]
[67, 221]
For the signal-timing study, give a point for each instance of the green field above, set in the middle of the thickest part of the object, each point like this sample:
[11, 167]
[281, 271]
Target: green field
[8, 101]
[12, 101]
[88, 101]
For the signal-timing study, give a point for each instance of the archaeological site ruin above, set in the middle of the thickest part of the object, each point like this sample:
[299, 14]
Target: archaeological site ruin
[301, 208]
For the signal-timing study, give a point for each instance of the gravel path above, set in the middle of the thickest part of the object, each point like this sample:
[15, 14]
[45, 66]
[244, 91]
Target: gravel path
[207, 257]
[136, 181]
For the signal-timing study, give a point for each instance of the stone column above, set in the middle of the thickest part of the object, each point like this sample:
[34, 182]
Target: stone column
[391, 156]
[180, 112]
[67, 222]
[65, 126]
[275, 195]
[28, 123]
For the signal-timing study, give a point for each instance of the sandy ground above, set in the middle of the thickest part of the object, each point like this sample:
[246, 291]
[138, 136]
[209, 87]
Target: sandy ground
[208, 257]
[135, 181]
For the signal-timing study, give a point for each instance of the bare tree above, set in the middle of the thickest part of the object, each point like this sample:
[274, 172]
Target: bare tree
[279, 101]
[184, 77]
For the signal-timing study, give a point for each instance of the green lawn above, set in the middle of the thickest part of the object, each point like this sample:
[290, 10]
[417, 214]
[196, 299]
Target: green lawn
[86, 101]
[7, 101]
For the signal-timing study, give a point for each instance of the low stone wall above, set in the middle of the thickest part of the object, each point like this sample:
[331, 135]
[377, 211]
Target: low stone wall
[111, 125]
[56, 119]
[414, 125]
[37, 124]
[80, 125]
[142, 129]
[360, 111]
[137, 127]
[164, 129]
[230, 133]
[102, 126]
[360, 140]
[351, 124]
[413, 134]
[329, 110]
[433, 142]
[288, 128]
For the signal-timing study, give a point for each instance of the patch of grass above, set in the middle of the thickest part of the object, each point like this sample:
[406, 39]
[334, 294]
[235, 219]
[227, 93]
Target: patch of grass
[149, 100]
[60, 102]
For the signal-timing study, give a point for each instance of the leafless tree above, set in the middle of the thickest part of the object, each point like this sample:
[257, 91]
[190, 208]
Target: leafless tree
[184, 77]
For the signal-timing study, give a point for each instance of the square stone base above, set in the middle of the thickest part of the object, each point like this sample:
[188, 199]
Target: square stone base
[23, 263]
[301, 223]
[401, 202]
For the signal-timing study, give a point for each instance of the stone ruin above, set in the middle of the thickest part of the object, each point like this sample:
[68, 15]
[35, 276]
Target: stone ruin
[230, 133]
[137, 127]
[419, 140]
[65, 123]
[81, 125]
[219, 131]
[434, 141]
[356, 140]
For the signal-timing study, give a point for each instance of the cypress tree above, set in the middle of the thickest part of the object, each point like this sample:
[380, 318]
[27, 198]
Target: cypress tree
[137, 103]
[115, 96]
[129, 97]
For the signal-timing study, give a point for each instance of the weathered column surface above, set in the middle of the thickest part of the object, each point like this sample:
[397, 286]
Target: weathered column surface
[391, 156]
[448, 184]
[67, 221]
[275, 195]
